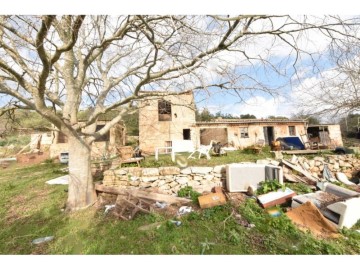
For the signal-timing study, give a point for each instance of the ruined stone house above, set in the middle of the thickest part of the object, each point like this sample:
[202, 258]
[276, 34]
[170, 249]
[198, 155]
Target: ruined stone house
[105, 145]
[171, 119]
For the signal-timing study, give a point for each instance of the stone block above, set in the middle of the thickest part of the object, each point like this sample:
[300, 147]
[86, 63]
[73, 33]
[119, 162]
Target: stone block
[120, 172]
[198, 178]
[150, 172]
[149, 178]
[201, 170]
[145, 184]
[133, 171]
[169, 170]
[209, 177]
[186, 171]
[182, 180]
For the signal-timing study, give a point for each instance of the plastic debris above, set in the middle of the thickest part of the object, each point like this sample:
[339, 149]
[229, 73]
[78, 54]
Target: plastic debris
[42, 240]
[62, 180]
[108, 207]
[176, 222]
[274, 212]
[184, 210]
[161, 205]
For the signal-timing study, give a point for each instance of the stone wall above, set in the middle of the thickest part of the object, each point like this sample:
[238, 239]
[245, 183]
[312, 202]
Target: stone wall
[167, 179]
[347, 164]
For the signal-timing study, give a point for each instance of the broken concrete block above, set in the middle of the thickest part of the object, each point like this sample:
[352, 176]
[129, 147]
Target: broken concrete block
[343, 178]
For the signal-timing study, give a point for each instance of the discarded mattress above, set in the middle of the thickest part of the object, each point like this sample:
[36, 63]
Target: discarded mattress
[308, 218]
[62, 180]
[291, 143]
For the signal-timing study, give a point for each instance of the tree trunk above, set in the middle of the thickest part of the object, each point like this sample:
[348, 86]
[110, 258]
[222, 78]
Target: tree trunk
[81, 187]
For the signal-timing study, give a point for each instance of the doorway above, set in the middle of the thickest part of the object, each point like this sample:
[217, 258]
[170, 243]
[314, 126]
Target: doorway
[269, 135]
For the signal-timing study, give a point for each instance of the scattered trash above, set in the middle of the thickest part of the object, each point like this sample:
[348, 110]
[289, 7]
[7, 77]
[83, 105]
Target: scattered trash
[274, 212]
[42, 240]
[161, 205]
[243, 222]
[184, 210]
[276, 197]
[62, 180]
[212, 199]
[108, 207]
[176, 222]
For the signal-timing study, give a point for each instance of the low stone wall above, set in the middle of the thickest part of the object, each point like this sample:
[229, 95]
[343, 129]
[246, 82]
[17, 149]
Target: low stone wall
[347, 164]
[167, 179]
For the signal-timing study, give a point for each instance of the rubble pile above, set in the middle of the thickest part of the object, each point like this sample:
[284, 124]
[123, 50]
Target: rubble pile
[168, 180]
[347, 164]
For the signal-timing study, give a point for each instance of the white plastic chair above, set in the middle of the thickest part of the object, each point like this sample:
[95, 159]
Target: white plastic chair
[202, 150]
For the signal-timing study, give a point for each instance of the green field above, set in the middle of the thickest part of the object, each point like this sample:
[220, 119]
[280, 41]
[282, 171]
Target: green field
[30, 209]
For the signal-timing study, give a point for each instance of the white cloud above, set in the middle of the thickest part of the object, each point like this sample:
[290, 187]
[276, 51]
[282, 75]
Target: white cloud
[259, 106]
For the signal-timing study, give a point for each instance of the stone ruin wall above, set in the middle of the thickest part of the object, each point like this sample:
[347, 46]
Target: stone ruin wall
[167, 180]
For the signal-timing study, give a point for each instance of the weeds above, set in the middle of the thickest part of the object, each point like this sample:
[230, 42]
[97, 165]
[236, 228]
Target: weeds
[188, 192]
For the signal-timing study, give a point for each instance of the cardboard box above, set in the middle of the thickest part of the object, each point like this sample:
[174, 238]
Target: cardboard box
[212, 199]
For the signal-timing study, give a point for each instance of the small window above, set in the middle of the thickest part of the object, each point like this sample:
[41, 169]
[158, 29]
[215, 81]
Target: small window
[164, 109]
[292, 131]
[103, 138]
[186, 134]
[244, 132]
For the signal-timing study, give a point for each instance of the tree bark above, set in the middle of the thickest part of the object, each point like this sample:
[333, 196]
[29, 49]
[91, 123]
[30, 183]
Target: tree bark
[81, 187]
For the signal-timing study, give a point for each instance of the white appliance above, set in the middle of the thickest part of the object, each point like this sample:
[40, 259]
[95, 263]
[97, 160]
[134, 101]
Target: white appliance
[239, 177]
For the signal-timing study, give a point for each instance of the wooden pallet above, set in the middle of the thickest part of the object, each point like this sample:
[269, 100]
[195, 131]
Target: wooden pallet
[127, 207]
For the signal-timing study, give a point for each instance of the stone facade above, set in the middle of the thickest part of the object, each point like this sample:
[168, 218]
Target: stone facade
[107, 146]
[167, 179]
[155, 131]
[255, 130]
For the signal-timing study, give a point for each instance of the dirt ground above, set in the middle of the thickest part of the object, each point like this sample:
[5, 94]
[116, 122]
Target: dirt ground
[308, 218]
[32, 158]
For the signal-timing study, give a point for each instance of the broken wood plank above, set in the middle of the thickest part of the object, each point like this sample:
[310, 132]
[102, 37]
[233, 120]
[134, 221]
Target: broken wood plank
[300, 170]
[290, 178]
[142, 194]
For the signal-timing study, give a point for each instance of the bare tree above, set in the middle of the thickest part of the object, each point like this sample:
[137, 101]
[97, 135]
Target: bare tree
[335, 90]
[58, 65]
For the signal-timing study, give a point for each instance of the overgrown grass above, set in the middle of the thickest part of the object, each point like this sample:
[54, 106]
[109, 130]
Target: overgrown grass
[30, 209]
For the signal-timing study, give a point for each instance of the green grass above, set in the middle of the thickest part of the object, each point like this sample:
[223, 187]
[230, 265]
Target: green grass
[231, 157]
[30, 209]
